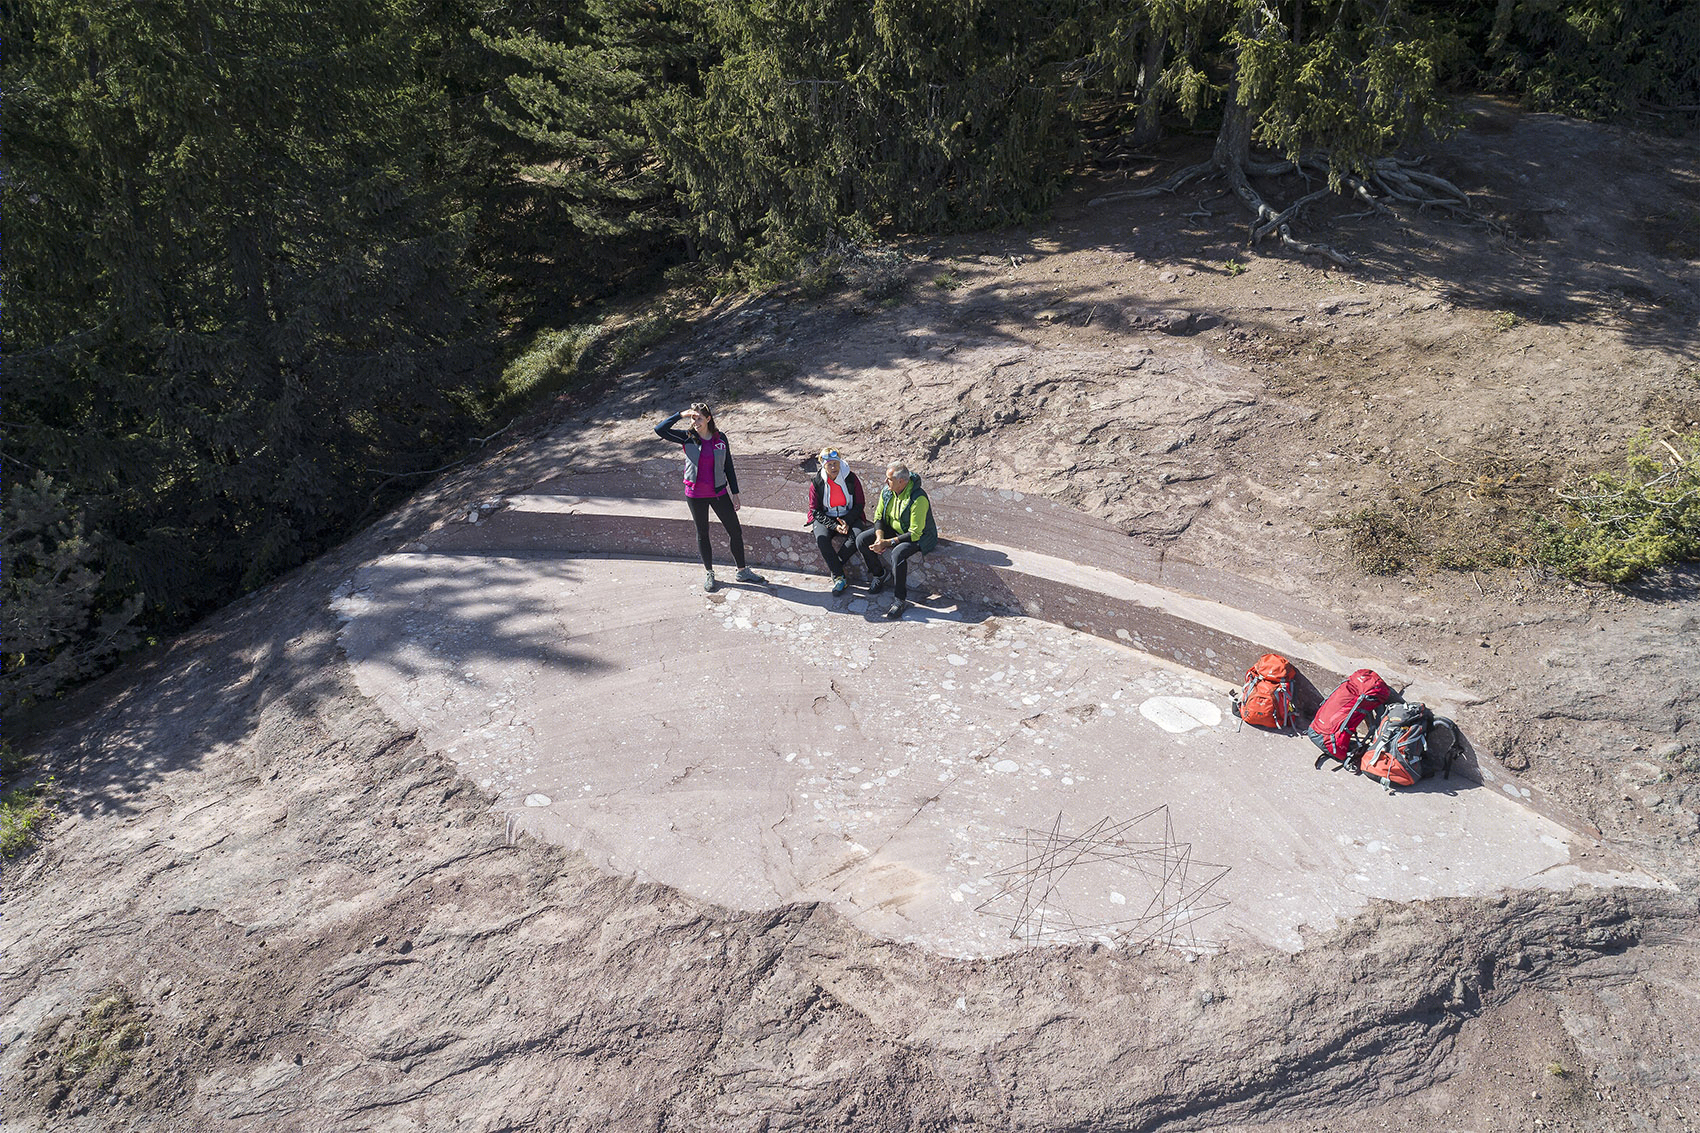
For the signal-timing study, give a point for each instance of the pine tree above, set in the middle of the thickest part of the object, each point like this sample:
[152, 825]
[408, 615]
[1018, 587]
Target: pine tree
[236, 285]
[580, 90]
[1594, 58]
[763, 129]
[58, 625]
[1333, 87]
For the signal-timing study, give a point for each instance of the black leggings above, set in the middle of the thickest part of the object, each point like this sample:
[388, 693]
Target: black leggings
[836, 560]
[722, 505]
[899, 556]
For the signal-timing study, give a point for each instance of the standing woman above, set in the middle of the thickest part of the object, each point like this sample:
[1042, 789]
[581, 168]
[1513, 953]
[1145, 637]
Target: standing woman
[710, 482]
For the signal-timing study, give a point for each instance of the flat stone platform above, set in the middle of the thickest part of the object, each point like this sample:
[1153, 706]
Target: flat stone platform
[975, 778]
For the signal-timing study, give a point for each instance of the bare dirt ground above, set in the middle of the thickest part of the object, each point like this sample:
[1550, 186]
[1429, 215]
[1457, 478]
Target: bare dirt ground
[266, 906]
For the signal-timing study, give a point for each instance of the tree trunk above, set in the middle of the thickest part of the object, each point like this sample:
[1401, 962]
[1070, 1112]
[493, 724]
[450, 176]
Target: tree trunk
[1501, 28]
[1233, 140]
[1148, 126]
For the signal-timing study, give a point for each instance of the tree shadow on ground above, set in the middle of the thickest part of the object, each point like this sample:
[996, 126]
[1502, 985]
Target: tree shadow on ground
[117, 739]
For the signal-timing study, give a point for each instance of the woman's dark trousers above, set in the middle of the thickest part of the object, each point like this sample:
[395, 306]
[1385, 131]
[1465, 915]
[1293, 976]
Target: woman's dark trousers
[836, 560]
[722, 505]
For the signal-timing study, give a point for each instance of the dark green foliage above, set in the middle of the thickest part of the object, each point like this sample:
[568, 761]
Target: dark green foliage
[1592, 58]
[579, 92]
[59, 625]
[1615, 528]
[235, 292]
[833, 117]
[1354, 78]
[761, 131]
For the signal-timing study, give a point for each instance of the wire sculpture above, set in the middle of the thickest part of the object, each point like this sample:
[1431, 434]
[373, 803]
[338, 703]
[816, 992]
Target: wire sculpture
[1176, 888]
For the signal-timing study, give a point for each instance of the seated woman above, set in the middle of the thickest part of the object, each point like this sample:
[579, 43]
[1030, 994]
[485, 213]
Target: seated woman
[837, 510]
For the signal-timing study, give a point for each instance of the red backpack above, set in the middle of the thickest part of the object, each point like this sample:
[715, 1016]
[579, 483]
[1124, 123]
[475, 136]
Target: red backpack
[1266, 700]
[1335, 724]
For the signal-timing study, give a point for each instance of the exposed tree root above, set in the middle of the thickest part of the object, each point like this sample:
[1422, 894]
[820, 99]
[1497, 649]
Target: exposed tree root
[1388, 179]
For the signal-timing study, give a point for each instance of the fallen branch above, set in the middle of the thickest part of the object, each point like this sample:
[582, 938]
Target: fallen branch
[1175, 182]
[1287, 241]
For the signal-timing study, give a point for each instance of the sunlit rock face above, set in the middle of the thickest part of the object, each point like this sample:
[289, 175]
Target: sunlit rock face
[969, 782]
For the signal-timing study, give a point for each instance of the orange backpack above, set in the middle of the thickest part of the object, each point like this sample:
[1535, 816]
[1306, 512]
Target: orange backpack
[1266, 700]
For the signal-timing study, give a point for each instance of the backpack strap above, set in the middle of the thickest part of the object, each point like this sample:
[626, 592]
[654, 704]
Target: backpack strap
[1452, 748]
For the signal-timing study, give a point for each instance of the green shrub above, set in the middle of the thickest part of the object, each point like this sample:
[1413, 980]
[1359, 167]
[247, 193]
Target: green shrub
[24, 813]
[61, 623]
[1612, 528]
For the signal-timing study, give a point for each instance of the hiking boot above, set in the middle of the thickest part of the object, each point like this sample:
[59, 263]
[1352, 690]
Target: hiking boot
[897, 609]
[838, 585]
[876, 584]
[745, 574]
[708, 581]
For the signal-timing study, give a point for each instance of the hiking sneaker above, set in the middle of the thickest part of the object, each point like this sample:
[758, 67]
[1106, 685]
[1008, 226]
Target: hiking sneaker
[745, 574]
[897, 609]
[708, 581]
[876, 584]
[838, 585]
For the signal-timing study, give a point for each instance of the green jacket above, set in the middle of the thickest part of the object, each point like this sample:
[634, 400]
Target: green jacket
[909, 513]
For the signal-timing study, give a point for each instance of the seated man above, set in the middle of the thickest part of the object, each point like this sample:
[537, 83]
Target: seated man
[836, 511]
[903, 526]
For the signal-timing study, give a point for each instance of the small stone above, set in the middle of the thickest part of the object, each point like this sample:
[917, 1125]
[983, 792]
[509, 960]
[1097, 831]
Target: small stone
[380, 940]
[1168, 277]
[1642, 774]
[1671, 750]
